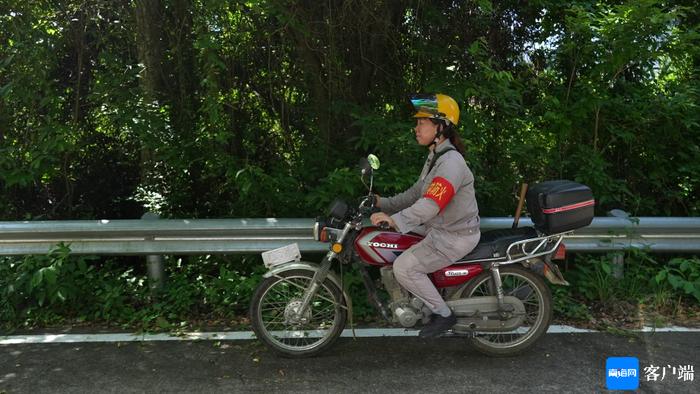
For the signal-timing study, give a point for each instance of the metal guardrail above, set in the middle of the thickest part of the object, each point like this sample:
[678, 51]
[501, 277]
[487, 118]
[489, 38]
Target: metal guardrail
[228, 236]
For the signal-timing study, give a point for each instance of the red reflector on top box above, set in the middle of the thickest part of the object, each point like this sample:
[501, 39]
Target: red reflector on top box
[570, 207]
[559, 206]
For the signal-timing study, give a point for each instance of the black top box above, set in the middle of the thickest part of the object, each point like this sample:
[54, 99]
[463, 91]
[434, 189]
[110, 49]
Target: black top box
[560, 206]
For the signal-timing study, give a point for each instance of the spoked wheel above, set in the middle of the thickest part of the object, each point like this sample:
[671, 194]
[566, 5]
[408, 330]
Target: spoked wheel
[274, 314]
[531, 289]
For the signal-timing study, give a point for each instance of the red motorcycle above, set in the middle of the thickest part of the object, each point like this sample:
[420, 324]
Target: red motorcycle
[498, 292]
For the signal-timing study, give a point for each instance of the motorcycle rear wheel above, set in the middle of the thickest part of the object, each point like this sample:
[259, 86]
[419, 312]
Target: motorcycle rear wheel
[272, 314]
[532, 290]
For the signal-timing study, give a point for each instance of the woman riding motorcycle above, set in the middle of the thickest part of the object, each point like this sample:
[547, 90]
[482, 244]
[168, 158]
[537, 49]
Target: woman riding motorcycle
[441, 206]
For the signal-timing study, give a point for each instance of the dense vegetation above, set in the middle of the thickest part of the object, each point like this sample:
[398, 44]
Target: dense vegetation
[217, 108]
[199, 108]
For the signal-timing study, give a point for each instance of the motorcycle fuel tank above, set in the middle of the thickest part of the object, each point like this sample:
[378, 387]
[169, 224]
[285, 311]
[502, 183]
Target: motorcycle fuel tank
[378, 247]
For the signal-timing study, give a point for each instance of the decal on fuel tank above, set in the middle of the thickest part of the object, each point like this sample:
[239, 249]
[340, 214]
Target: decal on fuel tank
[461, 272]
[383, 245]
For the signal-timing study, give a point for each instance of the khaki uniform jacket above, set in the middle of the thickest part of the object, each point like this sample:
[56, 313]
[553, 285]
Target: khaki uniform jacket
[441, 204]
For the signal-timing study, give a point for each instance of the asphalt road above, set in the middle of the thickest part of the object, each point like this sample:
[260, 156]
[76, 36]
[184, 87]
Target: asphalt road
[573, 363]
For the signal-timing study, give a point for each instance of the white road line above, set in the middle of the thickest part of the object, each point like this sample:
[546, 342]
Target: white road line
[248, 335]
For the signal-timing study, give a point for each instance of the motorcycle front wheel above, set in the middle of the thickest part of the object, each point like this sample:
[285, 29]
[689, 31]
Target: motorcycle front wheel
[275, 319]
[534, 293]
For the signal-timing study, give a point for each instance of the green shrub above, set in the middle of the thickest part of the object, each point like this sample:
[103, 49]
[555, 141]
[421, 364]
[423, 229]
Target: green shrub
[683, 275]
[657, 285]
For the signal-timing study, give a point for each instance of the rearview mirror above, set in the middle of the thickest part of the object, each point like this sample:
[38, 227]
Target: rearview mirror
[373, 161]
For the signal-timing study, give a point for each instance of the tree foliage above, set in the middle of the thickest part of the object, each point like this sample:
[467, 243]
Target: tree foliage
[216, 108]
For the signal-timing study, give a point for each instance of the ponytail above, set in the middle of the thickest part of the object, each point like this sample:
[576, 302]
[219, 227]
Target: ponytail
[450, 132]
[456, 140]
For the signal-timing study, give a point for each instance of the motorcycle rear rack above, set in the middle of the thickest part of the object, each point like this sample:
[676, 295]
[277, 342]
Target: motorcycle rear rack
[541, 246]
[525, 249]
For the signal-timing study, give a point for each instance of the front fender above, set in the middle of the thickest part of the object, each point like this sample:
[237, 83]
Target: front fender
[305, 265]
[292, 265]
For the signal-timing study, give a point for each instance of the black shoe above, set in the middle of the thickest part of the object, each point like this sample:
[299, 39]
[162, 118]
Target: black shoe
[438, 325]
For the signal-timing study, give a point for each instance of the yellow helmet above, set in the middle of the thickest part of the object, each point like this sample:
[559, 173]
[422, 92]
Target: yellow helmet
[435, 106]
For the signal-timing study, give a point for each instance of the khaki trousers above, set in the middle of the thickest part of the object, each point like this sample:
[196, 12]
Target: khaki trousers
[412, 267]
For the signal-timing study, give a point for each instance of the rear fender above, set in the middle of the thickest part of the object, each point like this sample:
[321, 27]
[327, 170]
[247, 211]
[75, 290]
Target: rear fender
[546, 268]
[552, 273]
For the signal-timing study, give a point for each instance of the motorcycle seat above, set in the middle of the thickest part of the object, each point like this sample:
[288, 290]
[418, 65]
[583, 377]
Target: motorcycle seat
[494, 243]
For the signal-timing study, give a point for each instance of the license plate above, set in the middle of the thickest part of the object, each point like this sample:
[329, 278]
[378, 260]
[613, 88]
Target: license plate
[281, 255]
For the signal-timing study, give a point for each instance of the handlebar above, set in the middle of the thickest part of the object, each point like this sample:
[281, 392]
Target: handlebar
[384, 226]
[367, 205]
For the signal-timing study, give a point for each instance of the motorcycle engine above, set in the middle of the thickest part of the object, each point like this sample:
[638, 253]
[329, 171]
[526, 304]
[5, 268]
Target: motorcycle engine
[407, 311]
[406, 316]
[392, 286]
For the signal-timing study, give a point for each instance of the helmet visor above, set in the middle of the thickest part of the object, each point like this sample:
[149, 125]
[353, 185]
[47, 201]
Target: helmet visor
[425, 103]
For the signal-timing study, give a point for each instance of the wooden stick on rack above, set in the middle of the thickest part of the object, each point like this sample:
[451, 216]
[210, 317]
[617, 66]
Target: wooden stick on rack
[521, 201]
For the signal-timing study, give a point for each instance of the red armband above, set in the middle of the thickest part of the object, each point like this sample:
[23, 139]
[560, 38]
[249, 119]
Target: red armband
[440, 191]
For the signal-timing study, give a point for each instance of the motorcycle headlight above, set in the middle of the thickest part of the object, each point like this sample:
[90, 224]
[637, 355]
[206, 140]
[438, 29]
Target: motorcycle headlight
[324, 231]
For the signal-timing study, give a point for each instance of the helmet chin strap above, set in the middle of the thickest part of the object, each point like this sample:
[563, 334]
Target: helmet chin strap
[437, 135]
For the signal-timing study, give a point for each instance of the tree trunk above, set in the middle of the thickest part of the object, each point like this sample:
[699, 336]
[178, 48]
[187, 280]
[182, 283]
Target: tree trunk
[182, 94]
[149, 42]
[150, 47]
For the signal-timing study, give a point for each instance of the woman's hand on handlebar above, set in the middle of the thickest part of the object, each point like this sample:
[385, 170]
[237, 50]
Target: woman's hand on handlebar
[376, 199]
[379, 217]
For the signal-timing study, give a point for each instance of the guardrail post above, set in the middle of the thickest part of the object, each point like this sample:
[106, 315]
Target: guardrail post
[618, 261]
[156, 272]
[618, 266]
